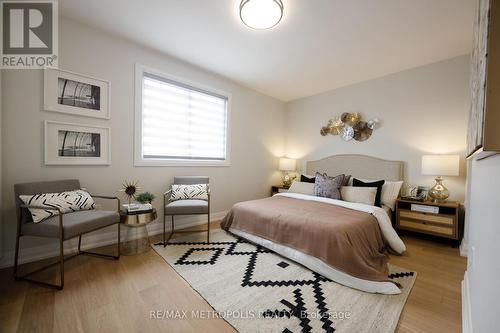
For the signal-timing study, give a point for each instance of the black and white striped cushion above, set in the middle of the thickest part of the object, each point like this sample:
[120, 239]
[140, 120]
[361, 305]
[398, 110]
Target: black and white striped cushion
[70, 201]
[185, 192]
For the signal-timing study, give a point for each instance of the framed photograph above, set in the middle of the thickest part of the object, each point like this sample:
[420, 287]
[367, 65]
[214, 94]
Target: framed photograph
[73, 144]
[76, 94]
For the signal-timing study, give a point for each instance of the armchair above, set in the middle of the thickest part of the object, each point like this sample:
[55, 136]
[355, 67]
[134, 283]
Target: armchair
[62, 227]
[186, 207]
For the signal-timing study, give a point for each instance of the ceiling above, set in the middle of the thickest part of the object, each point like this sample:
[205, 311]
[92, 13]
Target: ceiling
[318, 46]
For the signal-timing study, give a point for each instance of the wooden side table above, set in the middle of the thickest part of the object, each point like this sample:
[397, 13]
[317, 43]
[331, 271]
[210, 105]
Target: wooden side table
[446, 223]
[278, 189]
[137, 221]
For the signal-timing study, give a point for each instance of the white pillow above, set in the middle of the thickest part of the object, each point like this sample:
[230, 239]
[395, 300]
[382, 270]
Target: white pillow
[302, 187]
[390, 191]
[189, 192]
[364, 195]
[69, 201]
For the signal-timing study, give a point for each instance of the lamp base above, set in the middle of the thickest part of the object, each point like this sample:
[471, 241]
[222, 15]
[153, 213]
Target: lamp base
[439, 193]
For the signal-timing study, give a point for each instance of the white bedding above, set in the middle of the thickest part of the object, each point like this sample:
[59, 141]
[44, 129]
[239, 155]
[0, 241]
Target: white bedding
[380, 214]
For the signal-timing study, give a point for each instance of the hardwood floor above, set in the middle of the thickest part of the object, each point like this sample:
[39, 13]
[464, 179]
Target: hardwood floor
[118, 296]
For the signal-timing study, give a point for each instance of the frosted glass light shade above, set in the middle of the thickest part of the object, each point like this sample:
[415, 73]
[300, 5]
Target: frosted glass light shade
[440, 165]
[261, 14]
[287, 164]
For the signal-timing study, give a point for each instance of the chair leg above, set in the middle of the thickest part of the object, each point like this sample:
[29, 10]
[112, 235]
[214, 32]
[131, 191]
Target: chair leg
[16, 255]
[164, 218]
[208, 229]
[118, 244]
[171, 232]
[61, 258]
[102, 255]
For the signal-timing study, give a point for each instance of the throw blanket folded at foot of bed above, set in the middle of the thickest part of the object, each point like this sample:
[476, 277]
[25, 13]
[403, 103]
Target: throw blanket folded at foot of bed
[349, 237]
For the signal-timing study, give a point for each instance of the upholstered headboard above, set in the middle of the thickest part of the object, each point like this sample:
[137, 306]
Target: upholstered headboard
[359, 166]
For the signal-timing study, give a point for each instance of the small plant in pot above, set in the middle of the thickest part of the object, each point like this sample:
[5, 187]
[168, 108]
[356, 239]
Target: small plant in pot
[145, 197]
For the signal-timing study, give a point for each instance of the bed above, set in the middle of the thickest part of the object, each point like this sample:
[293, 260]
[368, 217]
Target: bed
[343, 241]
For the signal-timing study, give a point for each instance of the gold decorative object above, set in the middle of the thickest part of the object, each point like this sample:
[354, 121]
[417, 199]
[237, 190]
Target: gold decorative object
[350, 126]
[362, 132]
[324, 131]
[350, 118]
[335, 125]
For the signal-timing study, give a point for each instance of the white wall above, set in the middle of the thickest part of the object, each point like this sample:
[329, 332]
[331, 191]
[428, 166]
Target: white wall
[257, 127]
[483, 266]
[423, 111]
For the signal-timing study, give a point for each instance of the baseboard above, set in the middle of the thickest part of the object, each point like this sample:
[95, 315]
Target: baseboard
[466, 312]
[98, 239]
[464, 249]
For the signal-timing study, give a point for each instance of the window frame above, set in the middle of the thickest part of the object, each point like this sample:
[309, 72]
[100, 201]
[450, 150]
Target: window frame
[138, 156]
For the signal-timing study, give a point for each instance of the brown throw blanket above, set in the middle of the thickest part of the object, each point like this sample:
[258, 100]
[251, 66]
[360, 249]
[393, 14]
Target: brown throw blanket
[346, 239]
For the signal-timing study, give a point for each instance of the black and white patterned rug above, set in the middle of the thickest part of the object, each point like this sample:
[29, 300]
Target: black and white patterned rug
[256, 290]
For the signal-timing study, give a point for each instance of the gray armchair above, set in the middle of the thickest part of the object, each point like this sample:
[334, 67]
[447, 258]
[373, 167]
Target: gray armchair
[186, 207]
[62, 227]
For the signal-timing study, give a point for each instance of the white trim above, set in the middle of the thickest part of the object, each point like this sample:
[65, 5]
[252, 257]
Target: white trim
[50, 94]
[138, 160]
[98, 239]
[464, 248]
[466, 309]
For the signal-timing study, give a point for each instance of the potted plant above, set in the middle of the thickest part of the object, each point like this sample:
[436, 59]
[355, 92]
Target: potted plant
[145, 197]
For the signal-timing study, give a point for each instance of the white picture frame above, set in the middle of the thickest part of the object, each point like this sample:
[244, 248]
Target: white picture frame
[76, 144]
[76, 94]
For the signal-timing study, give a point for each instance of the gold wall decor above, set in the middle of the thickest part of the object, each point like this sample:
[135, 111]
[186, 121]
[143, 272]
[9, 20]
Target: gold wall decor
[350, 126]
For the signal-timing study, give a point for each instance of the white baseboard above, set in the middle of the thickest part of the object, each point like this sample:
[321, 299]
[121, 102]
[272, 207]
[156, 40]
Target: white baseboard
[466, 312]
[464, 249]
[97, 239]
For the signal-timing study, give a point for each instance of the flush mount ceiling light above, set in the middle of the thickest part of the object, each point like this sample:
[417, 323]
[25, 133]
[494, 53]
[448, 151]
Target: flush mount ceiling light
[261, 14]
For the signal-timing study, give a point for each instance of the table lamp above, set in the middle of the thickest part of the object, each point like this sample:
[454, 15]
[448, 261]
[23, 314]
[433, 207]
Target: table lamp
[286, 165]
[439, 166]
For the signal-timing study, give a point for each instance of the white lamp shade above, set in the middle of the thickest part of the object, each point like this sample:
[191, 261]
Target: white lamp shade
[287, 164]
[440, 165]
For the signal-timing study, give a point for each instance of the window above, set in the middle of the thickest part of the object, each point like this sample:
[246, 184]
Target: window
[180, 123]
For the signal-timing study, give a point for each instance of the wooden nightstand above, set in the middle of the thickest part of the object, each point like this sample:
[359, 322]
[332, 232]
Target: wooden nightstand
[279, 189]
[447, 222]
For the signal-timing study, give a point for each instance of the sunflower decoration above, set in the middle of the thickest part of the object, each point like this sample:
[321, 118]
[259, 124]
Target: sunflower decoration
[130, 189]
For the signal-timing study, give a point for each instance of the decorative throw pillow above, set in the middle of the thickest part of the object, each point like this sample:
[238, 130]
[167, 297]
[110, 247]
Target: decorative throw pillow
[347, 179]
[328, 187]
[390, 192]
[302, 187]
[189, 192]
[70, 201]
[377, 184]
[307, 179]
[364, 195]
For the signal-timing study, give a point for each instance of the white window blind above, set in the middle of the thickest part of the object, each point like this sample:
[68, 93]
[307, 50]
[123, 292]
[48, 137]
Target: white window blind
[181, 122]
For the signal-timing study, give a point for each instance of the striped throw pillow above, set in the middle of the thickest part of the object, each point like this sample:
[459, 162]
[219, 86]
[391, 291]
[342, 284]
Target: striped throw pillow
[189, 192]
[70, 201]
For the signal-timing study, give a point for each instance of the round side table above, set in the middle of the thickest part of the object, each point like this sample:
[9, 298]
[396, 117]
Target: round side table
[136, 222]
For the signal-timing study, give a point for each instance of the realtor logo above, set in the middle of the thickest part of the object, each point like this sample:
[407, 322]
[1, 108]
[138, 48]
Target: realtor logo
[29, 34]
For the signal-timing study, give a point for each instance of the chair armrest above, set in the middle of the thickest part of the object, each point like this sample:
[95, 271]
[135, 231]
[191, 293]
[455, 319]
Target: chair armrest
[46, 208]
[110, 198]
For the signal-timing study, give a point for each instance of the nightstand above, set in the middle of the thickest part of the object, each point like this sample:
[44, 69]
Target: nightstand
[279, 189]
[442, 219]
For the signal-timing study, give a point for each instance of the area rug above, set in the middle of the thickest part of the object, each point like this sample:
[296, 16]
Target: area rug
[256, 290]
